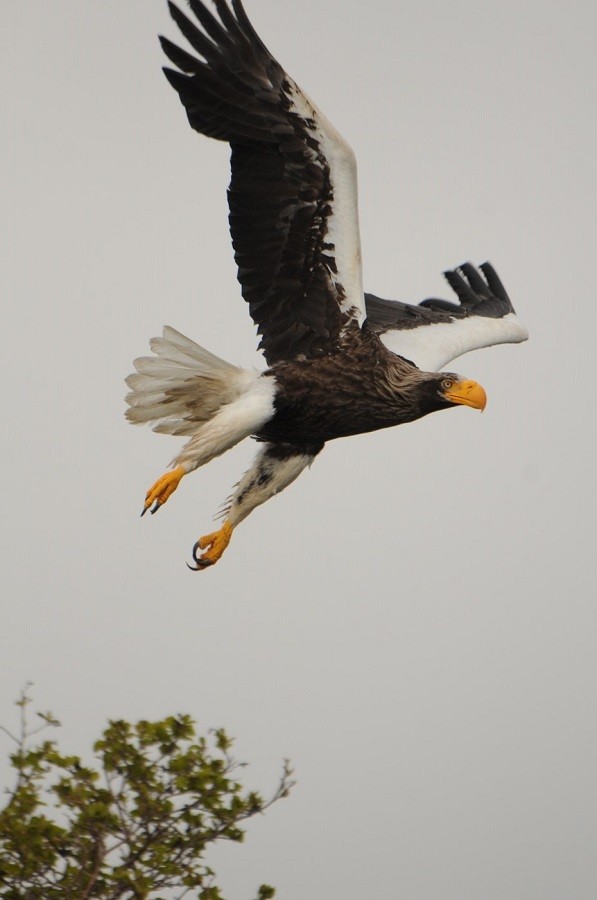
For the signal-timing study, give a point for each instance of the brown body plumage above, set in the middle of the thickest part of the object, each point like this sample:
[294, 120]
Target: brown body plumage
[359, 387]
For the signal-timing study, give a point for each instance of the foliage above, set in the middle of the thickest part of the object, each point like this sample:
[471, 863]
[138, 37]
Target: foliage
[134, 825]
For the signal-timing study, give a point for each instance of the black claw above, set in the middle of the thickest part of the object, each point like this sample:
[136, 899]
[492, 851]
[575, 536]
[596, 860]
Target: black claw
[155, 508]
[145, 508]
[195, 551]
[200, 563]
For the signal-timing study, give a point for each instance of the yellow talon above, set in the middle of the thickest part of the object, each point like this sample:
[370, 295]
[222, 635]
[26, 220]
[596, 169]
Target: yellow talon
[163, 488]
[214, 545]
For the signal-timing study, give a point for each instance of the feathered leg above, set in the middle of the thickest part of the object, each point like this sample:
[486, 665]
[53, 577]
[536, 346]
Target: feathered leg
[231, 424]
[274, 468]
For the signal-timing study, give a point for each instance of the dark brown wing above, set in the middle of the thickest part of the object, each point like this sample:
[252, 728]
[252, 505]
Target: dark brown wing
[293, 193]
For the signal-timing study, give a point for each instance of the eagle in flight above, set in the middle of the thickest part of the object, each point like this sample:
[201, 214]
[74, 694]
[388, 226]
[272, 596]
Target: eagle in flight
[340, 361]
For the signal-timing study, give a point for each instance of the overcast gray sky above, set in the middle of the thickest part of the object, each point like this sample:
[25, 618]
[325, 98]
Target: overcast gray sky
[413, 622]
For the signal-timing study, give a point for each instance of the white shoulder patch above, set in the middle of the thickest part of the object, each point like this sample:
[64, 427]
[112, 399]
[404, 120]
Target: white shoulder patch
[343, 223]
[431, 347]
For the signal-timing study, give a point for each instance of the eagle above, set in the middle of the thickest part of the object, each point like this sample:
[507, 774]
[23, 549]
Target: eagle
[339, 361]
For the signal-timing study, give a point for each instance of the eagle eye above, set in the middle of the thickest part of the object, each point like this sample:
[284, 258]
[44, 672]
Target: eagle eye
[447, 384]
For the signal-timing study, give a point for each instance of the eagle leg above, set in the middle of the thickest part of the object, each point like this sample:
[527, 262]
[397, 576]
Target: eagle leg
[213, 546]
[274, 468]
[162, 489]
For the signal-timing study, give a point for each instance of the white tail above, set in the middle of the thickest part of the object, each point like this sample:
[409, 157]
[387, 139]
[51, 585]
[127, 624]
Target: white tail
[183, 385]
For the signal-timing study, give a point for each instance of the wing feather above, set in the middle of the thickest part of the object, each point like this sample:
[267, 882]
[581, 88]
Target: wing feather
[293, 191]
[437, 331]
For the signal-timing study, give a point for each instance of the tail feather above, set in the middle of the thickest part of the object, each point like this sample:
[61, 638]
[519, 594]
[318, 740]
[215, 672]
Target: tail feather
[161, 369]
[174, 346]
[182, 386]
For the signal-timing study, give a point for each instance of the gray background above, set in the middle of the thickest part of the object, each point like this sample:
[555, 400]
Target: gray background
[412, 622]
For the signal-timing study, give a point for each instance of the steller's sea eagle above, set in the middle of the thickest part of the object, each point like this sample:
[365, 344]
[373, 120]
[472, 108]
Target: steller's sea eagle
[340, 361]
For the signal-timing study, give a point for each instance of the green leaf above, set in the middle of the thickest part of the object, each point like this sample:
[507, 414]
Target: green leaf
[136, 820]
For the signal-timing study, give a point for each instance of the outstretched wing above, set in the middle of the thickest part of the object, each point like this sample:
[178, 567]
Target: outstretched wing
[433, 333]
[293, 192]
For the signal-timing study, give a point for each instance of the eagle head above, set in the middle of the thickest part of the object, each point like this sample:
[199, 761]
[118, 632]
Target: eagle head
[447, 389]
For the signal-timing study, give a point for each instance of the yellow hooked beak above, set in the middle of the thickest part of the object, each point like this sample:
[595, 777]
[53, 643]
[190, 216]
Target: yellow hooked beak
[468, 393]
